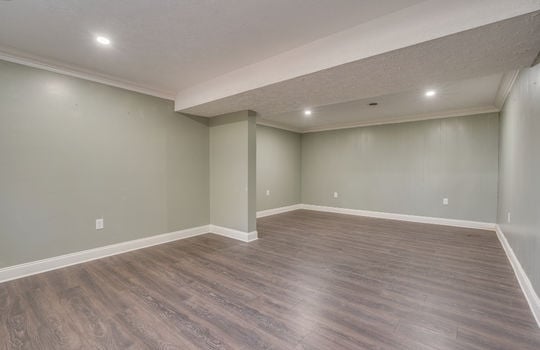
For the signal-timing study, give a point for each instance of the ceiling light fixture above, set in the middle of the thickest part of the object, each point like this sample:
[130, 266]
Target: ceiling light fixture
[430, 93]
[103, 40]
[307, 112]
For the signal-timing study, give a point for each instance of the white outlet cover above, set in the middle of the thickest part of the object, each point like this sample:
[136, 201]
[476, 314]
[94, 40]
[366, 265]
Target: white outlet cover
[99, 224]
[336, 195]
[267, 192]
[445, 201]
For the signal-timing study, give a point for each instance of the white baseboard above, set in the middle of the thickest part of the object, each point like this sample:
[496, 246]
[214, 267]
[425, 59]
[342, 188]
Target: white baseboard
[235, 234]
[381, 215]
[268, 212]
[35, 267]
[523, 279]
[403, 217]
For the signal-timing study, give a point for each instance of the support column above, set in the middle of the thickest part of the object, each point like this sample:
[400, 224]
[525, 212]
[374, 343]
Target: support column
[233, 175]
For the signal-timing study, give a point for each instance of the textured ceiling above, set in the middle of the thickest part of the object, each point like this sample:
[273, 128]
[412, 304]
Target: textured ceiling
[455, 98]
[278, 57]
[168, 45]
[422, 22]
[491, 49]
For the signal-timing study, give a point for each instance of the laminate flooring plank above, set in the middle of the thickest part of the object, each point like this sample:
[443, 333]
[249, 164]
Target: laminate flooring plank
[312, 280]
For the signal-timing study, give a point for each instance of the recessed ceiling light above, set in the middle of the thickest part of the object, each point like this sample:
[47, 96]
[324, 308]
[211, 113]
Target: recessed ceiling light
[103, 40]
[430, 93]
[307, 112]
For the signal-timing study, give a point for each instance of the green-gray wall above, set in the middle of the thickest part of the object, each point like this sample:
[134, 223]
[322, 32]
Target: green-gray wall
[72, 151]
[407, 168]
[278, 167]
[232, 171]
[519, 176]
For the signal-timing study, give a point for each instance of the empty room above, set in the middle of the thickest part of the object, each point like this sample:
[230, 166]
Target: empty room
[270, 174]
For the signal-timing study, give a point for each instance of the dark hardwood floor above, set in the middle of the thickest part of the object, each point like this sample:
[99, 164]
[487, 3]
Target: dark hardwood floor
[312, 281]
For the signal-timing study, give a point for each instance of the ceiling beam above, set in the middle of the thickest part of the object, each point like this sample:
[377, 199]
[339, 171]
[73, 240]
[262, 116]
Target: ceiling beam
[419, 23]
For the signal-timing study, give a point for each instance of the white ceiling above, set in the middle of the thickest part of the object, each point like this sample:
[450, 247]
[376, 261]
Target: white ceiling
[167, 45]
[413, 25]
[468, 96]
[476, 53]
[278, 57]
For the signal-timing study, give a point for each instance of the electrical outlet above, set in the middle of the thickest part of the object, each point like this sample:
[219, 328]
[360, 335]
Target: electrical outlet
[509, 217]
[336, 195]
[445, 201]
[267, 192]
[99, 224]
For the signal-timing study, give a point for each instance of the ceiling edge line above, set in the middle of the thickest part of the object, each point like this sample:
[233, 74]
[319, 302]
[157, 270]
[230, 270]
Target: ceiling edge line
[507, 82]
[35, 62]
[410, 118]
[278, 125]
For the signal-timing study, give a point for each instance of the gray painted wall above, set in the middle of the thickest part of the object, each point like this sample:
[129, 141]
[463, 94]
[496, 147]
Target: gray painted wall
[72, 151]
[519, 176]
[232, 171]
[278, 167]
[407, 168]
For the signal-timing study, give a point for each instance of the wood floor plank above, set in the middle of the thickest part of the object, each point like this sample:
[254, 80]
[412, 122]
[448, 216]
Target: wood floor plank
[312, 281]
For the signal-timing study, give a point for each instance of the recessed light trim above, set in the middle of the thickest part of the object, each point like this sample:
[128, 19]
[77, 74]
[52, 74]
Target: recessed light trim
[430, 93]
[307, 112]
[103, 40]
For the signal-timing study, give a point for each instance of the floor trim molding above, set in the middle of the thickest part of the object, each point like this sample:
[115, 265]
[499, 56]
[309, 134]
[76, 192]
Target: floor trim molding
[39, 266]
[34, 267]
[523, 279]
[274, 211]
[404, 217]
[234, 234]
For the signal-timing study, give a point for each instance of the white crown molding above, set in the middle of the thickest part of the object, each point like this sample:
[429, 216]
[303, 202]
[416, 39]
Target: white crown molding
[57, 262]
[507, 82]
[536, 60]
[277, 125]
[359, 124]
[234, 234]
[274, 211]
[404, 217]
[60, 68]
[523, 279]
[405, 119]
